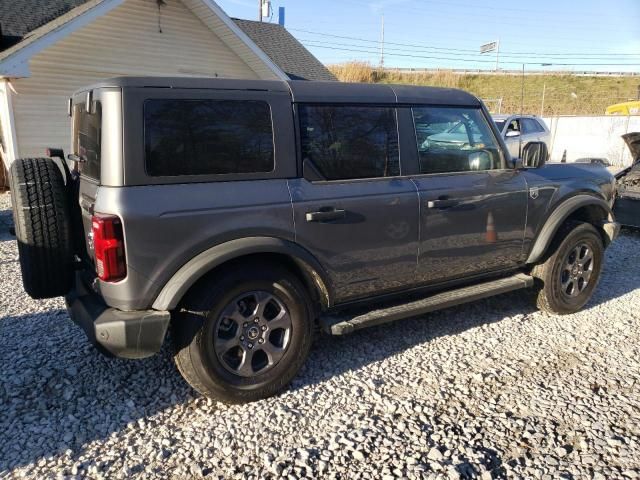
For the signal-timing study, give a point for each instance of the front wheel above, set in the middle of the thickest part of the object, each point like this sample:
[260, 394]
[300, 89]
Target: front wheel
[243, 335]
[572, 271]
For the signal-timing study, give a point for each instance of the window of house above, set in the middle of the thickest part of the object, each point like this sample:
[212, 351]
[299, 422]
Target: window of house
[454, 140]
[348, 142]
[207, 137]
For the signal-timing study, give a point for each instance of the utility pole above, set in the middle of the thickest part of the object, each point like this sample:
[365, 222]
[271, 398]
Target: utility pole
[260, 10]
[544, 91]
[497, 55]
[382, 46]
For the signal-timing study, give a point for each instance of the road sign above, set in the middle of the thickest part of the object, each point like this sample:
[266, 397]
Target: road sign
[488, 47]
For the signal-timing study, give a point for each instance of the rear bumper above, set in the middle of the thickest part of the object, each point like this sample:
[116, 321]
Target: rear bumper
[125, 334]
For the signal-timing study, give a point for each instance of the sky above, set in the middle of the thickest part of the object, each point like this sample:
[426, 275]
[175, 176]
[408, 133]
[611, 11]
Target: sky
[593, 35]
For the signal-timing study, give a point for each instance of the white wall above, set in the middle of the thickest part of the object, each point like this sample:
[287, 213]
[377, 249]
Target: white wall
[125, 41]
[593, 136]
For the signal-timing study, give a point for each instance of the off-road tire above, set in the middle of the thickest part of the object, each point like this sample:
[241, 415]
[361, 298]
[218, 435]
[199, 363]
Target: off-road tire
[194, 329]
[42, 224]
[550, 296]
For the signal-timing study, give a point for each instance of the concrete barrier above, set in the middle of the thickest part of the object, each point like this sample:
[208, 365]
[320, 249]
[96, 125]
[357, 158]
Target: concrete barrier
[592, 136]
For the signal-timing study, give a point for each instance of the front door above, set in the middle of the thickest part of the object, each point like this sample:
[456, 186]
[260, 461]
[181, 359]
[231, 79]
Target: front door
[355, 214]
[472, 208]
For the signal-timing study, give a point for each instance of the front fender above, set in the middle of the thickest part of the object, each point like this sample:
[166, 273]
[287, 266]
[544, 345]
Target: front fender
[194, 269]
[561, 213]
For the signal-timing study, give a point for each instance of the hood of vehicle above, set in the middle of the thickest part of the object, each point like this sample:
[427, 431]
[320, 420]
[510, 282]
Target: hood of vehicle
[633, 142]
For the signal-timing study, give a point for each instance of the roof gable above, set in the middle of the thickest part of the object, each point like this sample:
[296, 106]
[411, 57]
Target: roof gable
[22, 22]
[74, 14]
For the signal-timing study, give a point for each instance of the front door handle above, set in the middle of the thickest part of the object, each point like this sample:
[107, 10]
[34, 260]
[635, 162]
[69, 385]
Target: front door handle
[326, 214]
[442, 203]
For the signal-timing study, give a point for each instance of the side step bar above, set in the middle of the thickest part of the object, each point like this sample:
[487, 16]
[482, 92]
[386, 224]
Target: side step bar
[342, 324]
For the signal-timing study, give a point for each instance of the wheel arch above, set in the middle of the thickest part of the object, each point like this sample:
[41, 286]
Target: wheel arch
[294, 257]
[583, 207]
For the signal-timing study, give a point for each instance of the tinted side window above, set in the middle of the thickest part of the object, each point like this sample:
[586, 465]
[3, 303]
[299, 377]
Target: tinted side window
[87, 138]
[346, 142]
[454, 140]
[541, 125]
[531, 126]
[207, 137]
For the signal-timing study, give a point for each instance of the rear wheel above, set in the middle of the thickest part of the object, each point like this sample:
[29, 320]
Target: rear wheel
[243, 335]
[43, 227]
[572, 271]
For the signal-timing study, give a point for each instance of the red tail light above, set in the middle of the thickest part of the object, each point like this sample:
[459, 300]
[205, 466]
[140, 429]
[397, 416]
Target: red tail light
[108, 245]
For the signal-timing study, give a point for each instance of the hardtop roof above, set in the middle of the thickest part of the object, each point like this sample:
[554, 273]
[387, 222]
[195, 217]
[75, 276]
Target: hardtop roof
[307, 91]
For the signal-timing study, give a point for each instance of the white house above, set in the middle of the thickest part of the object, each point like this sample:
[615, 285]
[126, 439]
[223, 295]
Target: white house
[50, 48]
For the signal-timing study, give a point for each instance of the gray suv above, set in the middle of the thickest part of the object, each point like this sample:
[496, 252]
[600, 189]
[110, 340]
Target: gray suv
[244, 215]
[519, 130]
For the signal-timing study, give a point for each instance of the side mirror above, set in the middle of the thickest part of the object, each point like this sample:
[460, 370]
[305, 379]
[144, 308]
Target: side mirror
[517, 163]
[535, 154]
[512, 133]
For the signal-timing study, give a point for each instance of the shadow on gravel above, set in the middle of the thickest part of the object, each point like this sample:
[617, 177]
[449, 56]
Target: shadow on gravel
[59, 393]
[333, 356]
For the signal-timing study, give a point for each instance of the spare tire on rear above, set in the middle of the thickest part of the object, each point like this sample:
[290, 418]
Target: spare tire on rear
[43, 227]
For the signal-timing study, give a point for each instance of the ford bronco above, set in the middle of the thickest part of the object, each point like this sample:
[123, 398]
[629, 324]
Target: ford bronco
[243, 215]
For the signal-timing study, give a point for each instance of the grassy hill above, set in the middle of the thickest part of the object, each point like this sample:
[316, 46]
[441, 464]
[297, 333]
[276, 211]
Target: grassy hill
[564, 94]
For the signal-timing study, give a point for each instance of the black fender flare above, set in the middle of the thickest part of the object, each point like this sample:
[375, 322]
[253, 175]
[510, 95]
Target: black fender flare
[194, 269]
[560, 214]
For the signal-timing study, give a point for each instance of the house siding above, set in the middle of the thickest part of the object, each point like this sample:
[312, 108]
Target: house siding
[125, 41]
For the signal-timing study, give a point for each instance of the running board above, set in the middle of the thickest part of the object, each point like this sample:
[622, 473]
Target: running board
[342, 324]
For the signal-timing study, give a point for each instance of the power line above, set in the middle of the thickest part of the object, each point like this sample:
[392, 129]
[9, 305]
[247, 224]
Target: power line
[421, 49]
[447, 49]
[476, 60]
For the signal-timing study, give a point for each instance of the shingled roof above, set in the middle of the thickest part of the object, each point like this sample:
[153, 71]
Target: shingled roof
[18, 18]
[285, 51]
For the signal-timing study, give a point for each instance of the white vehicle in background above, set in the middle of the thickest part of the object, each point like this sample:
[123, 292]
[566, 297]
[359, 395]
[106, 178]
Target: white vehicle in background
[521, 129]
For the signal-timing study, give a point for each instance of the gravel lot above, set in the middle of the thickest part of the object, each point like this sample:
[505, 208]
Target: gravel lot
[492, 389]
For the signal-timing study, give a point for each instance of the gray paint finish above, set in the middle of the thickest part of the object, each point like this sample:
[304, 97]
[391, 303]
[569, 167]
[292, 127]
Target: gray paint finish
[482, 231]
[166, 226]
[374, 248]
[389, 240]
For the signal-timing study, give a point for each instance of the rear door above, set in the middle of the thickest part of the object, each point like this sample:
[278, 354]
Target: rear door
[353, 211]
[472, 208]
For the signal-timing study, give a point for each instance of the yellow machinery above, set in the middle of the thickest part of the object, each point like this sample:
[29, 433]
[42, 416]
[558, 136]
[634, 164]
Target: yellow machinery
[626, 108]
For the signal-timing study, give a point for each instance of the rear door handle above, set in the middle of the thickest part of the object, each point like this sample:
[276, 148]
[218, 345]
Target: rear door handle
[326, 214]
[442, 203]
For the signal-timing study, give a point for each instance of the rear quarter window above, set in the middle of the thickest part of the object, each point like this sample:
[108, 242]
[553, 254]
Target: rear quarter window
[87, 138]
[207, 137]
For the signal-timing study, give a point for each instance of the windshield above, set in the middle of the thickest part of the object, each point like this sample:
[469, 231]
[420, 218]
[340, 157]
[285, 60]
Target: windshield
[87, 137]
[499, 124]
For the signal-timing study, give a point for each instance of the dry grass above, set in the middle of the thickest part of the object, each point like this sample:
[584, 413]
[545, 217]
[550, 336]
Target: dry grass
[565, 94]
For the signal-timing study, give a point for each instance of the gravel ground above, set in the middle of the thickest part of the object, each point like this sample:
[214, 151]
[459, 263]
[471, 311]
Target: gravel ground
[492, 389]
